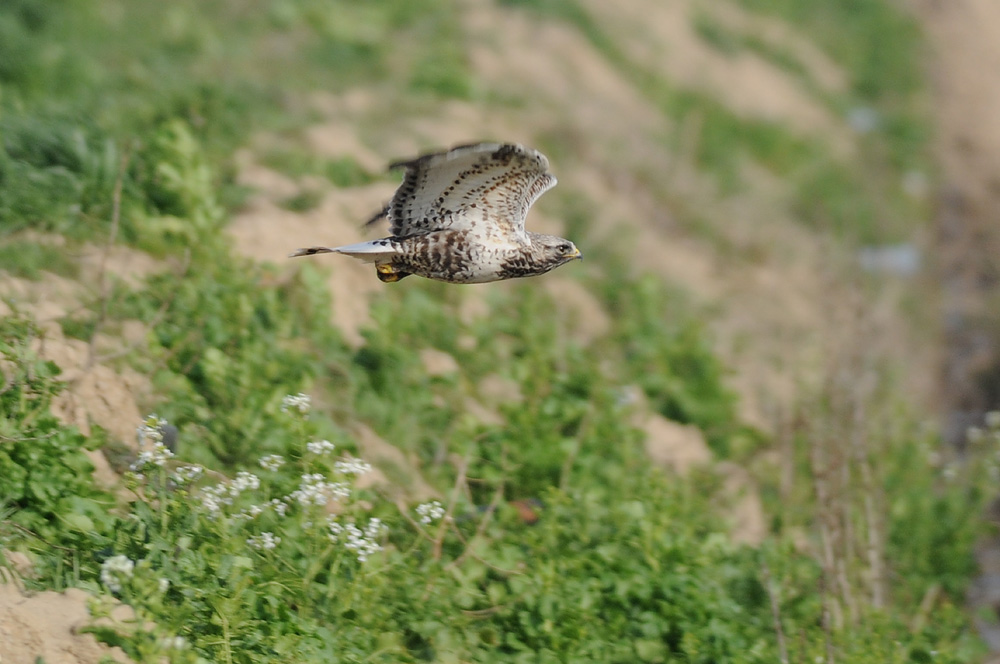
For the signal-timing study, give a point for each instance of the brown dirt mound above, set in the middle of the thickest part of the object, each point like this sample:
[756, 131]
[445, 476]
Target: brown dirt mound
[44, 627]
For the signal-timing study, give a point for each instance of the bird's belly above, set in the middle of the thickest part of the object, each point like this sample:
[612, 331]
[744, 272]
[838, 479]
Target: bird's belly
[459, 259]
[472, 272]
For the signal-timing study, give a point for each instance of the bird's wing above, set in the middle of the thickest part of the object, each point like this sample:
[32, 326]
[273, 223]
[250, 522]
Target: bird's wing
[468, 187]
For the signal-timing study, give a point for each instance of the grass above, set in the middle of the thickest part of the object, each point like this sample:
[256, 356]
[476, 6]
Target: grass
[342, 171]
[732, 43]
[28, 259]
[624, 562]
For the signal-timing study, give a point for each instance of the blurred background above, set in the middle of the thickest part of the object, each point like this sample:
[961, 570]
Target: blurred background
[788, 211]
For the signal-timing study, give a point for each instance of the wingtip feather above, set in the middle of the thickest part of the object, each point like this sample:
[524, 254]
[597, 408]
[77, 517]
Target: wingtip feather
[309, 251]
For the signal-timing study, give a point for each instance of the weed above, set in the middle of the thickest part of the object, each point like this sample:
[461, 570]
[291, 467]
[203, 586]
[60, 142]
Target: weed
[46, 474]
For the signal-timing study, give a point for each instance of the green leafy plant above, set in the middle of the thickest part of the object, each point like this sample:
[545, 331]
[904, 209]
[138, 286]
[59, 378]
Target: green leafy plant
[47, 491]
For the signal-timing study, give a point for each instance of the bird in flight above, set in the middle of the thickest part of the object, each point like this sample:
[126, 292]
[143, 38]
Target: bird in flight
[459, 217]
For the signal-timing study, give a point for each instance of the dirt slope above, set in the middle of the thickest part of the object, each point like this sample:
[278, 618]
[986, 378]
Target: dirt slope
[45, 627]
[768, 280]
[965, 70]
[778, 300]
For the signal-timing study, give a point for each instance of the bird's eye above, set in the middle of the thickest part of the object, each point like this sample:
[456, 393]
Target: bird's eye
[565, 248]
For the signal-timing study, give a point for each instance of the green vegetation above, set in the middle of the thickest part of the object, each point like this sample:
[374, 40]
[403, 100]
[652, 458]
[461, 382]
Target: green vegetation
[48, 497]
[342, 172]
[231, 555]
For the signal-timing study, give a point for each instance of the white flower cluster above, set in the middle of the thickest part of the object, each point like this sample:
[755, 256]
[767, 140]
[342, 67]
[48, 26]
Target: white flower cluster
[300, 402]
[264, 541]
[114, 570]
[251, 512]
[214, 497]
[352, 467]
[315, 490]
[187, 474]
[153, 452]
[173, 643]
[151, 429]
[244, 482]
[320, 447]
[279, 506]
[430, 512]
[362, 542]
[272, 462]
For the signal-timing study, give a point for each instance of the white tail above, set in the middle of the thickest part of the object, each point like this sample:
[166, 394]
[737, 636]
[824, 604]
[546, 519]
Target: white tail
[370, 252]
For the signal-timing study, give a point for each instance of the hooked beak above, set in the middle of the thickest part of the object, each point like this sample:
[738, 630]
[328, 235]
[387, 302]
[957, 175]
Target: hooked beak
[576, 255]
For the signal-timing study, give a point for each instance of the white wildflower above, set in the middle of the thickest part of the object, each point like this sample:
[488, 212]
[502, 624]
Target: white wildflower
[114, 570]
[353, 467]
[153, 451]
[156, 456]
[315, 490]
[213, 498]
[151, 430]
[320, 447]
[362, 542]
[279, 506]
[338, 490]
[264, 541]
[430, 512]
[187, 474]
[244, 482]
[173, 643]
[300, 402]
[272, 462]
[163, 585]
[251, 512]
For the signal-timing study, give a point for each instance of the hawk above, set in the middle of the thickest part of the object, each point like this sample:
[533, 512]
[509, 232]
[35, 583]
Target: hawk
[459, 216]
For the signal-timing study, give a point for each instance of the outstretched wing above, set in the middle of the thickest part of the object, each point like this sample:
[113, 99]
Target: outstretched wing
[486, 185]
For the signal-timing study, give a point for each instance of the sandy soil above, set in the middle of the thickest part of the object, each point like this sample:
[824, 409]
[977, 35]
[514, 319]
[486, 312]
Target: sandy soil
[45, 627]
[965, 70]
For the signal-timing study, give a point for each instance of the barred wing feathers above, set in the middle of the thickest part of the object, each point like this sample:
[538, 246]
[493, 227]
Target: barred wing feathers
[488, 186]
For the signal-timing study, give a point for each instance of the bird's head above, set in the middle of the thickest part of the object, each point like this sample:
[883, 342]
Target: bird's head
[555, 250]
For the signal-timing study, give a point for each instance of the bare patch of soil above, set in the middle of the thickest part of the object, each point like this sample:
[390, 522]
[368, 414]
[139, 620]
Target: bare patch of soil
[45, 627]
[96, 393]
[663, 38]
[267, 232]
[965, 69]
